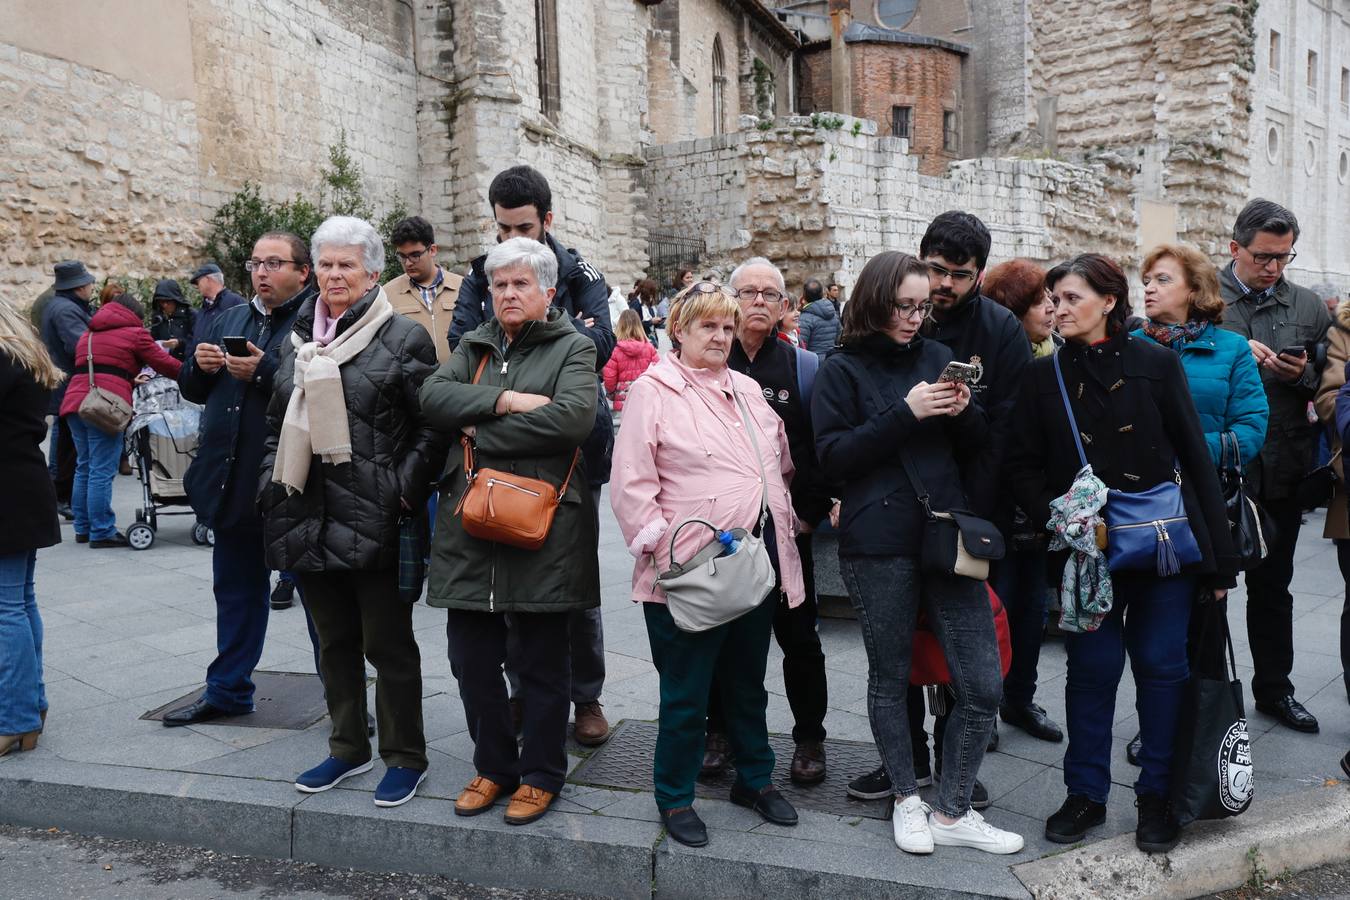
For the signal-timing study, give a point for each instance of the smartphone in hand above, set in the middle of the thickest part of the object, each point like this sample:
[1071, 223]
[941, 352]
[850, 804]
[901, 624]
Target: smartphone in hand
[236, 346]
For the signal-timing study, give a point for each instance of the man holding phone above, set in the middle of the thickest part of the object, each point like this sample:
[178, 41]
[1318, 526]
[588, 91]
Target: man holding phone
[1280, 321]
[231, 372]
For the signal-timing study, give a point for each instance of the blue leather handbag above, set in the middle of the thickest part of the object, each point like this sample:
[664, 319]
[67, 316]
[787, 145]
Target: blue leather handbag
[1146, 531]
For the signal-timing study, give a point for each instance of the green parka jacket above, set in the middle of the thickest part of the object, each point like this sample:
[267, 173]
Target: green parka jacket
[549, 358]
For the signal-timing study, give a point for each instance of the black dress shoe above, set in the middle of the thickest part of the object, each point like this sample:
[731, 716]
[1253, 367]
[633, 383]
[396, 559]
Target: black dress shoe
[66, 512]
[1158, 831]
[1291, 713]
[81, 538]
[1033, 720]
[117, 540]
[684, 825]
[769, 803]
[194, 714]
[1132, 749]
[1070, 823]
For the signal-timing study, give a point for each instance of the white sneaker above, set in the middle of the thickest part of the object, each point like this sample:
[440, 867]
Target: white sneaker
[909, 821]
[971, 830]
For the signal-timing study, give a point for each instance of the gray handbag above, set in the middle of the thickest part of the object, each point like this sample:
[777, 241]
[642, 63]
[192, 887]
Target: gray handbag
[102, 409]
[710, 589]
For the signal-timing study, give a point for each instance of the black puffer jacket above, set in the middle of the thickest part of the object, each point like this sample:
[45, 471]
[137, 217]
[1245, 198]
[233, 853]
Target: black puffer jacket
[863, 422]
[347, 517]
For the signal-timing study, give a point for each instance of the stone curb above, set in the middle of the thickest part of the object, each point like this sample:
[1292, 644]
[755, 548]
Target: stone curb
[1290, 833]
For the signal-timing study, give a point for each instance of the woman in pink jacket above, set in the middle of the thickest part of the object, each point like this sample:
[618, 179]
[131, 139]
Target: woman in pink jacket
[683, 452]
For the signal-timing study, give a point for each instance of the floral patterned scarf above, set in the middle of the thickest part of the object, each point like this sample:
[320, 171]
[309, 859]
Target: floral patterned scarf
[1167, 335]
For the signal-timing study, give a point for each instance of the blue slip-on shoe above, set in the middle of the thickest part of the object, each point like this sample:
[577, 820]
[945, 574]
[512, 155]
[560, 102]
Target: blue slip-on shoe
[328, 773]
[398, 786]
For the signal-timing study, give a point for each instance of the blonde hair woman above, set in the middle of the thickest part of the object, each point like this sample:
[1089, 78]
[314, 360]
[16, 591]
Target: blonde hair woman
[27, 376]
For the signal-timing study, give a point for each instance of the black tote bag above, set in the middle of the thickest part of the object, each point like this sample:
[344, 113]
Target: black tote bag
[1212, 761]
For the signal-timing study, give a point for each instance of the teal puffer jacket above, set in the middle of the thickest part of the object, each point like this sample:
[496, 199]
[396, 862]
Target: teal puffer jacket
[1226, 387]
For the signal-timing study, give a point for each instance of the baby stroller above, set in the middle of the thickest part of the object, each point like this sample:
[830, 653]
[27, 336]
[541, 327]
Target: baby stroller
[162, 442]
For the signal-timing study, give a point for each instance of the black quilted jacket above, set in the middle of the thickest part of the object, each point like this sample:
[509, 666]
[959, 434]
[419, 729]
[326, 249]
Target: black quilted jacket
[346, 519]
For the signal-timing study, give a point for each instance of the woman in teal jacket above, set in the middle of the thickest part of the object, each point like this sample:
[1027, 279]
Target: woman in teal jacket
[1182, 302]
[1184, 309]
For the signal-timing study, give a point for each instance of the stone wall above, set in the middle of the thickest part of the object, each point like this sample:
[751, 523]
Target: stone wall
[997, 113]
[119, 158]
[822, 202]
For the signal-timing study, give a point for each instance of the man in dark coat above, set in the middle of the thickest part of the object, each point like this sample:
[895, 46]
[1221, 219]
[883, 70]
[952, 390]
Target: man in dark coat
[216, 298]
[1275, 315]
[64, 318]
[222, 482]
[172, 321]
[522, 204]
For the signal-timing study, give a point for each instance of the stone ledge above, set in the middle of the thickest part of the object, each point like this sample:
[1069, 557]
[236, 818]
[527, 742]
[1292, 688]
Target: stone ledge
[1290, 833]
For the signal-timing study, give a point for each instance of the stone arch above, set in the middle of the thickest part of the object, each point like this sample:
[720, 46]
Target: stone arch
[719, 86]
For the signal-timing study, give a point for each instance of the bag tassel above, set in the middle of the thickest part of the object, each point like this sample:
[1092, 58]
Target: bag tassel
[1168, 564]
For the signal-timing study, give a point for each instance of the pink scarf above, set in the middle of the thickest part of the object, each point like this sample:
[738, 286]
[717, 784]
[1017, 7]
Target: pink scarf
[325, 324]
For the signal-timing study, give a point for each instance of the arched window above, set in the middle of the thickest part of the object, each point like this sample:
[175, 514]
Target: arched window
[719, 84]
[546, 58]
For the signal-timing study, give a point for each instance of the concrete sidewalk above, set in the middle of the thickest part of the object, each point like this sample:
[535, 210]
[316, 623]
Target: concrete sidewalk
[128, 631]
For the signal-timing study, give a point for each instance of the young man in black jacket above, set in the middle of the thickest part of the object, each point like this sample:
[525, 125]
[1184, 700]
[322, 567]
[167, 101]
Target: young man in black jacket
[785, 374]
[522, 205]
[222, 482]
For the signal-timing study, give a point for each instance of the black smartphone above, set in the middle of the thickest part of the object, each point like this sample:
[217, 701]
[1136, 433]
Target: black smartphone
[236, 346]
[1295, 350]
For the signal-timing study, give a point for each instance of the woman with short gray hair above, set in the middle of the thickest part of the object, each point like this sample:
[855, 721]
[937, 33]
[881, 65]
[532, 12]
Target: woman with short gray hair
[349, 456]
[520, 390]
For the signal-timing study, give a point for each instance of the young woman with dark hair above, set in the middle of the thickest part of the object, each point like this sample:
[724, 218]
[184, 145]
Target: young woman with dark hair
[1137, 430]
[880, 413]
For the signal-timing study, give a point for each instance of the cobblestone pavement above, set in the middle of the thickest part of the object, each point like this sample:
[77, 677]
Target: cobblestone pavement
[128, 631]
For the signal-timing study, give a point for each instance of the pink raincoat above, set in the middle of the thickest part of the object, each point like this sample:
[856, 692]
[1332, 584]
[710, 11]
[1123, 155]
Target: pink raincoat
[682, 452]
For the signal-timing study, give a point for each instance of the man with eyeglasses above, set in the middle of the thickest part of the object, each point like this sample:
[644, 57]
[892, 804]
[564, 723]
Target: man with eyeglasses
[424, 292]
[1282, 322]
[222, 482]
[982, 333]
[522, 206]
[786, 375]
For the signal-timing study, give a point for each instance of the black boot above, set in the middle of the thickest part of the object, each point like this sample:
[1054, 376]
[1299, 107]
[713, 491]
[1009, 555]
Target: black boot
[1071, 821]
[1158, 832]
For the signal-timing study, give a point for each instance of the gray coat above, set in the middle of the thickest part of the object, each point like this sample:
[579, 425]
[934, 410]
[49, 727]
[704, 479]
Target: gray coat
[64, 319]
[1287, 316]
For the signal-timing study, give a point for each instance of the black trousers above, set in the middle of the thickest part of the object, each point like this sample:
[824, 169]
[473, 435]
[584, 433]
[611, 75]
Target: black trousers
[1343, 559]
[359, 616]
[477, 644]
[63, 476]
[1270, 606]
[803, 661]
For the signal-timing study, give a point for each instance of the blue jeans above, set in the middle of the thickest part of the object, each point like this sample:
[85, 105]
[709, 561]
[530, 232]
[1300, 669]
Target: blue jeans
[1019, 579]
[97, 455]
[242, 587]
[887, 592]
[23, 696]
[1148, 621]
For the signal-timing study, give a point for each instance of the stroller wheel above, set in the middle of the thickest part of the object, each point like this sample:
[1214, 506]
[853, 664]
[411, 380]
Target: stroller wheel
[199, 534]
[210, 537]
[141, 536]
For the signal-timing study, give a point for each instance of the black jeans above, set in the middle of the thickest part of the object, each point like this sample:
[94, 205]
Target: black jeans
[1343, 559]
[1019, 579]
[359, 616]
[887, 593]
[1270, 606]
[803, 660]
[477, 652]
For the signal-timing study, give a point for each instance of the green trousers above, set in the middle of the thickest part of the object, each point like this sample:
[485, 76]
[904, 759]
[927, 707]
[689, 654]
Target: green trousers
[737, 653]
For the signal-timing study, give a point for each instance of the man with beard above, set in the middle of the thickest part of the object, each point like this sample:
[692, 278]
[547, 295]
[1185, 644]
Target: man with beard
[222, 482]
[984, 334]
[522, 205]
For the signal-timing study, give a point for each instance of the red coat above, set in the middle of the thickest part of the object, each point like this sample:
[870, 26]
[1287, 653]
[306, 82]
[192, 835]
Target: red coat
[121, 340]
[628, 361]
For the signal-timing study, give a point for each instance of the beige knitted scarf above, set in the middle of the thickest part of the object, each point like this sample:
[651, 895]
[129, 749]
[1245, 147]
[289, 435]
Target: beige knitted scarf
[316, 415]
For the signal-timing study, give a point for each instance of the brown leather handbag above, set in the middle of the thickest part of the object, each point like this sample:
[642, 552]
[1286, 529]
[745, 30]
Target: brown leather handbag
[505, 507]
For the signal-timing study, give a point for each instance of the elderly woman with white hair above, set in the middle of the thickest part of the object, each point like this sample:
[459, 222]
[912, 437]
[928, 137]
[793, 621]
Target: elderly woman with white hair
[520, 391]
[349, 455]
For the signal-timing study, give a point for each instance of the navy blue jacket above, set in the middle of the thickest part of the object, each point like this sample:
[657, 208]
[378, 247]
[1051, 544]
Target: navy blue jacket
[819, 326]
[222, 482]
[64, 319]
[862, 421]
[209, 313]
[582, 294]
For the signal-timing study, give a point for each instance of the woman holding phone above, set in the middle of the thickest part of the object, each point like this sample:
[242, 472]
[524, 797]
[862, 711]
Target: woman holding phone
[881, 391]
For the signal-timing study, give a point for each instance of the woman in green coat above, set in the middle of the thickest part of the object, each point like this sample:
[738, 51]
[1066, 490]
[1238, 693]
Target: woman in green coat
[531, 407]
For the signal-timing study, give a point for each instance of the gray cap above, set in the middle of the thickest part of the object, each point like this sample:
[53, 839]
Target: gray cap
[203, 270]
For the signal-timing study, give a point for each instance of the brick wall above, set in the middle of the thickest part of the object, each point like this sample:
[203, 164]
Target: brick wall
[926, 79]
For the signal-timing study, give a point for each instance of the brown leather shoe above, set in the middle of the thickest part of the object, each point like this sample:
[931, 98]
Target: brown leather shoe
[527, 804]
[808, 763]
[478, 797]
[592, 728]
[716, 754]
